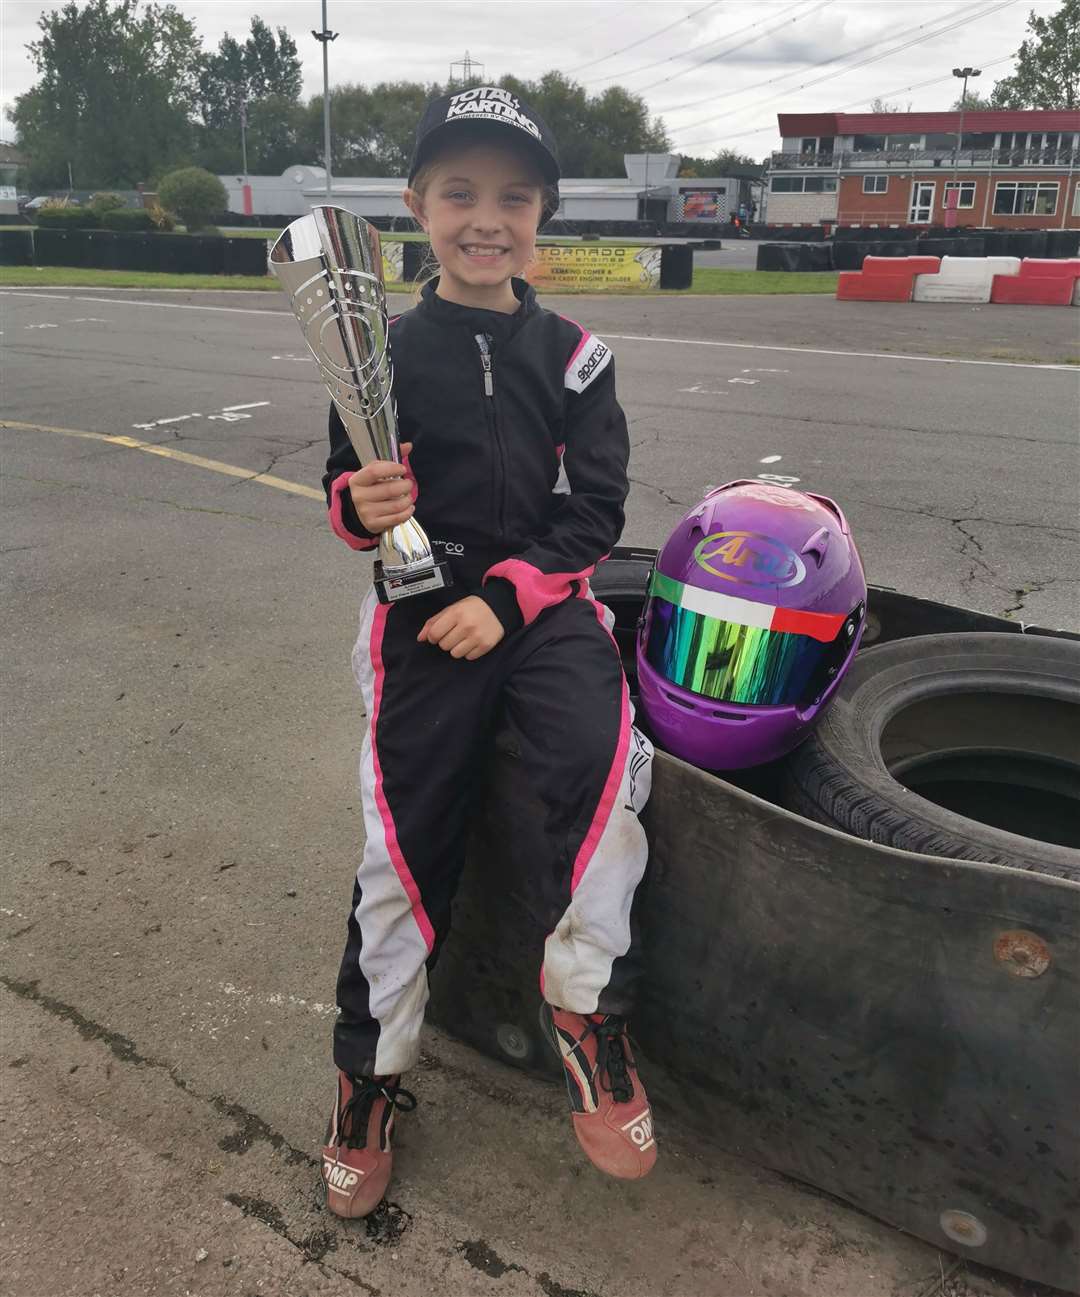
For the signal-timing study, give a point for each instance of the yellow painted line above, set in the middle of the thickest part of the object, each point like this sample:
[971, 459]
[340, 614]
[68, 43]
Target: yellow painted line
[214, 465]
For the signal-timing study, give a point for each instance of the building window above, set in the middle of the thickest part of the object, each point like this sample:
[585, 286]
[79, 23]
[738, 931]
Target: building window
[868, 143]
[967, 192]
[1014, 198]
[875, 184]
[809, 145]
[802, 185]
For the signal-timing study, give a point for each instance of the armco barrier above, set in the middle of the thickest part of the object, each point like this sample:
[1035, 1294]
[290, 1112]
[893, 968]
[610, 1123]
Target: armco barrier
[884, 279]
[964, 279]
[1039, 283]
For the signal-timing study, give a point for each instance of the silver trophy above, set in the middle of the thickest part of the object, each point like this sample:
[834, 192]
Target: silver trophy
[330, 265]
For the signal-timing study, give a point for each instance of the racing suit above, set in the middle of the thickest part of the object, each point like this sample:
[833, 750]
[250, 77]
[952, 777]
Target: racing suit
[520, 451]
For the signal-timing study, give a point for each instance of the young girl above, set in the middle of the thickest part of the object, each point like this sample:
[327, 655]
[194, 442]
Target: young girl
[516, 467]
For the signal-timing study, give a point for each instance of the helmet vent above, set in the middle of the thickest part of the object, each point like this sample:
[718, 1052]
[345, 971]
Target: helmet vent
[817, 545]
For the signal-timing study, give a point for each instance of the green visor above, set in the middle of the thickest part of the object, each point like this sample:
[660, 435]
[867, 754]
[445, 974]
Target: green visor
[733, 650]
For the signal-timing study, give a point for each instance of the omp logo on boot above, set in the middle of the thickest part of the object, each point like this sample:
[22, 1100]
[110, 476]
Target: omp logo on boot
[749, 558]
[640, 1130]
[338, 1176]
[490, 101]
[592, 359]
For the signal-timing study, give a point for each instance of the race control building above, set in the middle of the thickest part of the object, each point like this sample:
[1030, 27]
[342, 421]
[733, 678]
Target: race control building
[1011, 170]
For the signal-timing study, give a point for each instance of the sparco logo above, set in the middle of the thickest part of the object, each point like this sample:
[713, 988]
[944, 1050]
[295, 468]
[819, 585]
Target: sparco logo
[593, 357]
[592, 364]
[490, 101]
[640, 1130]
[339, 1177]
[451, 546]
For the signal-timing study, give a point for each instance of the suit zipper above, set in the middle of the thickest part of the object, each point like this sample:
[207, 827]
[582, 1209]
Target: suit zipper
[493, 423]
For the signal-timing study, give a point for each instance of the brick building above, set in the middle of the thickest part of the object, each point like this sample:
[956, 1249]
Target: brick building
[1012, 170]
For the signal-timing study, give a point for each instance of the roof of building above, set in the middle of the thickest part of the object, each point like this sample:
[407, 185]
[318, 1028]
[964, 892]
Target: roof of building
[1035, 119]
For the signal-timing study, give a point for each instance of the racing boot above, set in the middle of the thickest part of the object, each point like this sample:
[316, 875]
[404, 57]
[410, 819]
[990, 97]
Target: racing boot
[612, 1118]
[357, 1158]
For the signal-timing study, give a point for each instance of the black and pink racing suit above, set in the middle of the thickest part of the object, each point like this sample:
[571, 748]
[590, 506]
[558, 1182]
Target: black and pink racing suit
[519, 452]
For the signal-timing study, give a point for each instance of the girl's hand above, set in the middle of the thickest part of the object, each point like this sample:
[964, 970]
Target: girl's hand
[382, 494]
[467, 629]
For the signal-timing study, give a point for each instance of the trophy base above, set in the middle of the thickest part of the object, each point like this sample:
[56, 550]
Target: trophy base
[403, 586]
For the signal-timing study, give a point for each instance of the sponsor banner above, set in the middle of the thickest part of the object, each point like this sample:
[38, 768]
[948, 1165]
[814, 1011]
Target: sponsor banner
[594, 267]
[703, 205]
[393, 256]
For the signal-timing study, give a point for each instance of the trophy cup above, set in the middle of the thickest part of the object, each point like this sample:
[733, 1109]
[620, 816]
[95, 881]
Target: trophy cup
[330, 265]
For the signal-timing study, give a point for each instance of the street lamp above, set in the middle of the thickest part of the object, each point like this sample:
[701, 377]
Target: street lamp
[964, 73]
[325, 37]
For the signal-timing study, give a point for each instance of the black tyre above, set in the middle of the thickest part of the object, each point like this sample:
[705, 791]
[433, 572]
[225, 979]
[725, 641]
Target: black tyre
[965, 746]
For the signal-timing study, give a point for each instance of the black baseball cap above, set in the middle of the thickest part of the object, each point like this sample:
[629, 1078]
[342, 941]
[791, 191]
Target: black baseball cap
[501, 111]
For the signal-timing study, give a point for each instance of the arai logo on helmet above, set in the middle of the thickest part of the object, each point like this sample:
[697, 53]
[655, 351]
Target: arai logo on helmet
[749, 558]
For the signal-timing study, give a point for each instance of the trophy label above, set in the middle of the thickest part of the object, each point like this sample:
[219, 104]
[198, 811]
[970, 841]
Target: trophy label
[391, 588]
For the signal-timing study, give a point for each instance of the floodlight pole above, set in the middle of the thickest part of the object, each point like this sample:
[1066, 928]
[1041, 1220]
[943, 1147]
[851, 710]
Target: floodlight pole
[964, 73]
[325, 37]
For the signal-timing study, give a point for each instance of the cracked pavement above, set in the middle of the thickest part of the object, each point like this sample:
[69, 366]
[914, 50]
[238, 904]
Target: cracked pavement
[181, 730]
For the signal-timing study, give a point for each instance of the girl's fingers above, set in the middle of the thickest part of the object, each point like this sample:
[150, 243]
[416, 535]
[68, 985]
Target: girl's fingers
[456, 635]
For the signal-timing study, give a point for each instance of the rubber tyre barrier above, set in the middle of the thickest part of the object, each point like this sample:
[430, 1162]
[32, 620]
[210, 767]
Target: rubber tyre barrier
[1027, 243]
[849, 255]
[814, 257]
[676, 266]
[1063, 243]
[16, 247]
[841, 777]
[777, 256]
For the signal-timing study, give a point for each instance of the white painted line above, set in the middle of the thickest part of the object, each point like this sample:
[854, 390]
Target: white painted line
[620, 337]
[821, 351]
[770, 459]
[41, 326]
[703, 391]
[750, 382]
[251, 405]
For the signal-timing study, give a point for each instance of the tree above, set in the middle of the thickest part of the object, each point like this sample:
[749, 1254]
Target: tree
[725, 163]
[1047, 73]
[879, 105]
[973, 103]
[194, 195]
[101, 65]
[373, 127]
[260, 78]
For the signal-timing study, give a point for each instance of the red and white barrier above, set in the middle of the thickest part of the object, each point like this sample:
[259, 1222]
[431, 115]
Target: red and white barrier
[964, 279]
[884, 279]
[1032, 281]
[1041, 283]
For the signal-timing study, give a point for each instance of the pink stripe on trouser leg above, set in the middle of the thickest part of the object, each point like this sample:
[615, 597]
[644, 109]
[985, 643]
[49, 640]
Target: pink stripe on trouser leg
[595, 928]
[396, 933]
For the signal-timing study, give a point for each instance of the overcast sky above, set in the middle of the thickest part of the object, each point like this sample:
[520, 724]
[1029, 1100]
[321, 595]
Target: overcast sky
[717, 73]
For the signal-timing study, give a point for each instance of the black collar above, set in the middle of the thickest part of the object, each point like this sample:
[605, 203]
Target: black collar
[481, 320]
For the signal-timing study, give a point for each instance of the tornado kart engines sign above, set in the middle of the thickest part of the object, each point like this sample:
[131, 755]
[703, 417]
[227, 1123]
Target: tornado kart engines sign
[594, 267]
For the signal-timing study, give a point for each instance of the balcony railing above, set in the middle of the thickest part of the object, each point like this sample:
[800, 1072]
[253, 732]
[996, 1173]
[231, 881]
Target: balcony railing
[923, 159]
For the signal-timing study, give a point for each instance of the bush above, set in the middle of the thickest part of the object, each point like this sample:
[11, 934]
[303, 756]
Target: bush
[106, 202]
[194, 195]
[161, 219]
[128, 218]
[67, 218]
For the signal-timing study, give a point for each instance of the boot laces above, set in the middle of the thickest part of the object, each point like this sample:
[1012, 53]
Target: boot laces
[612, 1066]
[355, 1113]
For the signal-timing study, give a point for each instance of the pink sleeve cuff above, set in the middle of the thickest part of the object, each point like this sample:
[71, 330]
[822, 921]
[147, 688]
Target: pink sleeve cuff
[338, 490]
[536, 590]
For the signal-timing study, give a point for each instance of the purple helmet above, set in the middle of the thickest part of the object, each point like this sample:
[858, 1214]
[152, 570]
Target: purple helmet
[754, 612]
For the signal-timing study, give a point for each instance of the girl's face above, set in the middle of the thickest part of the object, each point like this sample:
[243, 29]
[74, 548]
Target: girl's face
[480, 208]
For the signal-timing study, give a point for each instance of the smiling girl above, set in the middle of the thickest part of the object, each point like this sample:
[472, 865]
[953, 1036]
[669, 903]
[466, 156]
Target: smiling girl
[516, 467]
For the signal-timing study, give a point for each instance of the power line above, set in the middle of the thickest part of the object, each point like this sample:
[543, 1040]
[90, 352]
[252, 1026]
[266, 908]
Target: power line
[742, 45]
[899, 90]
[634, 44]
[859, 49]
[610, 76]
[828, 76]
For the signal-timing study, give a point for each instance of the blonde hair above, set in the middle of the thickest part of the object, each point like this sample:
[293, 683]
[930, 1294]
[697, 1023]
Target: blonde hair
[549, 194]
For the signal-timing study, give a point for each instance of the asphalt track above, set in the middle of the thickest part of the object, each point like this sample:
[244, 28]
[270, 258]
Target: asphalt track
[181, 828]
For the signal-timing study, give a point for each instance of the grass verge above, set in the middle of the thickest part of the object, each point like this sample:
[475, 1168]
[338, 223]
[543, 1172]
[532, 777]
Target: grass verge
[708, 281]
